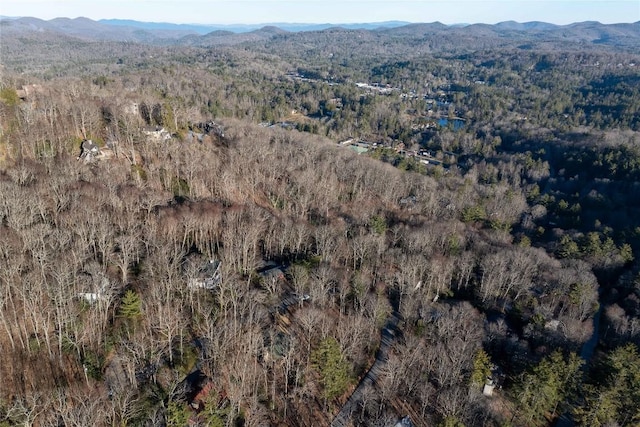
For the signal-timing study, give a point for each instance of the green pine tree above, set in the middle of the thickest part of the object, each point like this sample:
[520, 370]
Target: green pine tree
[177, 415]
[335, 371]
[545, 387]
[615, 398]
[481, 368]
[131, 306]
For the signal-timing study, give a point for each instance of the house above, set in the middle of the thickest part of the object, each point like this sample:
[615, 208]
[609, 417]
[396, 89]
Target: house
[208, 277]
[90, 152]
[271, 274]
[489, 386]
[102, 284]
[91, 297]
[157, 133]
[211, 128]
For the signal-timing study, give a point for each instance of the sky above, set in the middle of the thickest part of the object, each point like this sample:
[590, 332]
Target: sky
[330, 11]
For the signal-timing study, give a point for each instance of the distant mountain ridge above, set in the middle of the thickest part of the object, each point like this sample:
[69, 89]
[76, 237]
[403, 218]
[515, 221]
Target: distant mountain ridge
[624, 35]
[86, 29]
[77, 26]
[244, 28]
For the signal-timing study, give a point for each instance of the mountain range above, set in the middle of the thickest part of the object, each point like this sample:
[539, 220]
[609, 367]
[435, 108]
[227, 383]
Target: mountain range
[130, 30]
[624, 35]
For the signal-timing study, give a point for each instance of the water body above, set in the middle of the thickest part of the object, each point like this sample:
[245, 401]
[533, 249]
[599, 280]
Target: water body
[456, 123]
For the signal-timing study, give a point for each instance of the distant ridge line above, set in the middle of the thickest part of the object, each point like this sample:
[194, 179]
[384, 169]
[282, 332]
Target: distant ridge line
[624, 34]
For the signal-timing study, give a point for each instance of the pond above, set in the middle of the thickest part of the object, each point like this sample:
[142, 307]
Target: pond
[455, 122]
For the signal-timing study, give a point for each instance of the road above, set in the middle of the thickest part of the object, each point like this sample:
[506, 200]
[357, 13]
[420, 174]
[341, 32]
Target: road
[586, 353]
[388, 334]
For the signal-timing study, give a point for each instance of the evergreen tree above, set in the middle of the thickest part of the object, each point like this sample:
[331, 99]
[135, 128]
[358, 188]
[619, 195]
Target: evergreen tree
[615, 398]
[334, 370]
[481, 368]
[549, 384]
[131, 306]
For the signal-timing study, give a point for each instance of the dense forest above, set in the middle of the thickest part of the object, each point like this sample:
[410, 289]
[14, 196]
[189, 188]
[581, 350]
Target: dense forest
[428, 225]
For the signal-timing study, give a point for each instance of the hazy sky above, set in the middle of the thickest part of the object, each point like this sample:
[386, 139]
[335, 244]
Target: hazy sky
[330, 11]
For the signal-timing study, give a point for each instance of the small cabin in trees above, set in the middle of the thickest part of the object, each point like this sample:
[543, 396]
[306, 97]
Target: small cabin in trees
[101, 292]
[211, 128]
[493, 381]
[272, 273]
[208, 277]
[271, 276]
[88, 151]
[91, 297]
[157, 133]
[489, 386]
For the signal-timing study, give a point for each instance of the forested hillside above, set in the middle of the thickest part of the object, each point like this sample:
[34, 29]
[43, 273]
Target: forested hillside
[336, 227]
